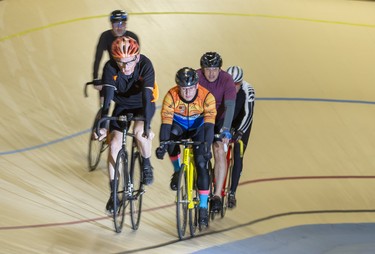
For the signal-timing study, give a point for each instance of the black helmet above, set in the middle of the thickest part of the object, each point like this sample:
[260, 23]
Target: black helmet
[211, 59]
[118, 15]
[187, 77]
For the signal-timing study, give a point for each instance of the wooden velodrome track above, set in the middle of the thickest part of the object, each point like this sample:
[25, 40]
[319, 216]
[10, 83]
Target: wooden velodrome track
[311, 155]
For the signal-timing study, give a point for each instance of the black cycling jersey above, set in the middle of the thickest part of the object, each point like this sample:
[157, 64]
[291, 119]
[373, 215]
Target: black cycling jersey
[104, 44]
[129, 91]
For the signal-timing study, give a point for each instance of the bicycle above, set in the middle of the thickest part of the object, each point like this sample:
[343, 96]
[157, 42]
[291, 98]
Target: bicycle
[96, 147]
[128, 182]
[187, 197]
[228, 177]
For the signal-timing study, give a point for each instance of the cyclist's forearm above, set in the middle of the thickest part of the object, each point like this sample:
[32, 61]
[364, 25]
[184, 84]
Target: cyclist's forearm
[229, 112]
[148, 106]
[165, 131]
[108, 93]
[209, 133]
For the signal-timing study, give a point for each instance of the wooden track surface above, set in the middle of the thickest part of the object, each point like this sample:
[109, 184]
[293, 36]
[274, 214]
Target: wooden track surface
[311, 153]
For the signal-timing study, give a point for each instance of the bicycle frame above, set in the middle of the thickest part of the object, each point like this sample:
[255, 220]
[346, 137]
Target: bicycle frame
[188, 160]
[187, 197]
[230, 162]
[130, 194]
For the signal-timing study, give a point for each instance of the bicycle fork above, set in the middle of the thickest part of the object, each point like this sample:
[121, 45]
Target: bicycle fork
[188, 160]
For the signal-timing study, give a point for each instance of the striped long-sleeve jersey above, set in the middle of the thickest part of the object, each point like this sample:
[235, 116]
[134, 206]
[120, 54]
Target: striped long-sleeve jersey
[243, 114]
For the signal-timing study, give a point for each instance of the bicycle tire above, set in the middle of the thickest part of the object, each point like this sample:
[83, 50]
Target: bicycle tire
[121, 181]
[96, 147]
[194, 214]
[181, 203]
[138, 189]
[227, 181]
[211, 214]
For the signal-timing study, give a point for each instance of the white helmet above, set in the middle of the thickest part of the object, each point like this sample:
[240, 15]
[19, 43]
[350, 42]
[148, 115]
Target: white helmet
[236, 72]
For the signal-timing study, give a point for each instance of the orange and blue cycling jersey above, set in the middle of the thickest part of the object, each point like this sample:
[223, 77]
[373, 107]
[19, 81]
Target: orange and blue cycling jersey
[189, 115]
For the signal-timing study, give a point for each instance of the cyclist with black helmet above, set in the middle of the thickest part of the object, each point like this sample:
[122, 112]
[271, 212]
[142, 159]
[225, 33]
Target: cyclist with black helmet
[118, 19]
[129, 81]
[221, 85]
[189, 111]
[241, 126]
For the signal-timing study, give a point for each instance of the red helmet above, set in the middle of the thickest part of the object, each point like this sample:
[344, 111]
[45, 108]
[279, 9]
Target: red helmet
[124, 47]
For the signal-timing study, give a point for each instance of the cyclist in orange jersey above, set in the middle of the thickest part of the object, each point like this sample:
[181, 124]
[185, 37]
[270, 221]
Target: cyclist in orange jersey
[189, 111]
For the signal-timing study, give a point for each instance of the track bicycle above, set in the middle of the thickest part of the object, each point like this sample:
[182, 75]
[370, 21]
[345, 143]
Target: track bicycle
[96, 147]
[228, 177]
[128, 182]
[187, 197]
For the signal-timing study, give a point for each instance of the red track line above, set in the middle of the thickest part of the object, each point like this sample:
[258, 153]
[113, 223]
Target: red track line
[304, 178]
[169, 205]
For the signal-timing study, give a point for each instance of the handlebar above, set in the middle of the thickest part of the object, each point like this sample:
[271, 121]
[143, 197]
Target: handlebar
[184, 142]
[122, 118]
[232, 141]
[85, 88]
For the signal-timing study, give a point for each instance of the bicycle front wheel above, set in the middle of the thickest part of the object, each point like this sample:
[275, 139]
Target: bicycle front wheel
[137, 191]
[121, 186]
[181, 203]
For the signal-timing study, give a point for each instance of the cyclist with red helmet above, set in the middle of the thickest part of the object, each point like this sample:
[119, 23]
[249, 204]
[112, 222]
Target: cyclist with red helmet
[221, 85]
[241, 126]
[129, 81]
[189, 111]
[118, 19]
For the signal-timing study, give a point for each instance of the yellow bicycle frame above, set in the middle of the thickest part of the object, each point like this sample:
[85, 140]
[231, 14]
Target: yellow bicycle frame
[189, 168]
[241, 147]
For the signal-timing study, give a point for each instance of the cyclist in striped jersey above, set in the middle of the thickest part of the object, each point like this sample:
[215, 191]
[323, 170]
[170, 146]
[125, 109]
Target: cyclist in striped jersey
[241, 125]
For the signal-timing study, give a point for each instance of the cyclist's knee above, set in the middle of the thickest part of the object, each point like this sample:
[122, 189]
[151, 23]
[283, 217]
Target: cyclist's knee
[201, 163]
[218, 150]
[115, 145]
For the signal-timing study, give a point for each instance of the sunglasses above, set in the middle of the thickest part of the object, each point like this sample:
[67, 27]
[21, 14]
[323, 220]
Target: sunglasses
[129, 63]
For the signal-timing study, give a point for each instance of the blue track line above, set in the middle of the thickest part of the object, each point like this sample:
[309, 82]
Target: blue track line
[314, 99]
[45, 144]
[257, 99]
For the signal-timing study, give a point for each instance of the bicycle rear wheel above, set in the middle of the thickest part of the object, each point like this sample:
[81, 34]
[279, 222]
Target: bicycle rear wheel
[138, 189]
[211, 171]
[181, 203]
[96, 147]
[227, 182]
[121, 186]
[193, 213]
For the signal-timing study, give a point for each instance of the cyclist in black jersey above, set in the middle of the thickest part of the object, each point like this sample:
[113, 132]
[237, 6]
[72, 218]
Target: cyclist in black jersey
[129, 81]
[241, 126]
[118, 19]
